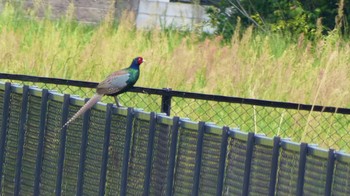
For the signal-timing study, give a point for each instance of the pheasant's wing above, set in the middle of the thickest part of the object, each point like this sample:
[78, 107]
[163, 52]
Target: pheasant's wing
[114, 83]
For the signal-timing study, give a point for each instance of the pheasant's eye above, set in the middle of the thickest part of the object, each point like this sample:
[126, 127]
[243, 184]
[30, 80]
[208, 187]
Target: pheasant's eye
[139, 60]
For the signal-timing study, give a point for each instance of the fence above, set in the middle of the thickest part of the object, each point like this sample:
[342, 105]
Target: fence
[327, 126]
[112, 151]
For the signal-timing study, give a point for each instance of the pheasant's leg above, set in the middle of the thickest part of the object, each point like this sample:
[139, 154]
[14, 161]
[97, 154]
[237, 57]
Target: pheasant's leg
[117, 101]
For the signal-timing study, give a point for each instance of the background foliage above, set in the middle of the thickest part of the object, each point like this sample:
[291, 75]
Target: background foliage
[311, 17]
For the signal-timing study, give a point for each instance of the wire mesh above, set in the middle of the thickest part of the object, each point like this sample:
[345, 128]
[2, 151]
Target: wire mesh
[330, 130]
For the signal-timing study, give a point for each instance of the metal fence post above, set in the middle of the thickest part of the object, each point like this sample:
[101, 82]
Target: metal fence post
[61, 152]
[330, 171]
[39, 157]
[166, 102]
[172, 155]
[301, 172]
[84, 142]
[274, 165]
[248, 160]
[21, 132]
[197, 169]
[152, 128]
[129, 127]
[222, 162]
[105, 149]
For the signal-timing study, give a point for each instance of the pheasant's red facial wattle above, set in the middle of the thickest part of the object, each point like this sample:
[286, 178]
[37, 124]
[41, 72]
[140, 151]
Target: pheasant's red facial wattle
[140, 60]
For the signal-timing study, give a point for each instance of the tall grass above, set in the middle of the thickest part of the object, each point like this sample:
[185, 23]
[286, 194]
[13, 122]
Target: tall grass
[255, 65]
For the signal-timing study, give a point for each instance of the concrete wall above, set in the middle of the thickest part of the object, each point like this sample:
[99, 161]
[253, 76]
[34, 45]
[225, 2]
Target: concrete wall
[149, 13]
[162, 13]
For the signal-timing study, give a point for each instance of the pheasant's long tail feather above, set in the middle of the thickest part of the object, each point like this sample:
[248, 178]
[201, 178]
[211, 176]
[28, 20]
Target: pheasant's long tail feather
[96, 98]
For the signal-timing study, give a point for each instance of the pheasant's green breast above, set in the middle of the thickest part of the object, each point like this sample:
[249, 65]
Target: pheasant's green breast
[133, 77]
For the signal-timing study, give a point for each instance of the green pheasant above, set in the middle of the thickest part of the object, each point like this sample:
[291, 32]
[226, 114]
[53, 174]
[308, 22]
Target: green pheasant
[115, 84]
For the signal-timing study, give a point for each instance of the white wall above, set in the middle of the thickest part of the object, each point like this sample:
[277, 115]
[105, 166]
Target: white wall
[162, 13]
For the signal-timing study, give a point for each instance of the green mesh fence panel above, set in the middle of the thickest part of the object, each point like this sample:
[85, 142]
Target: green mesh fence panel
[260, 170]
[287, 175]
[160, 161]
[341, 179]
[139, 100]
[116, 154]
[30, 146]
[11, 145]
[315, 175]
[72, 153]
[94, 152]
[235, 167]
[137, 164]
[51, 148]
[185, 163]
[210, 164]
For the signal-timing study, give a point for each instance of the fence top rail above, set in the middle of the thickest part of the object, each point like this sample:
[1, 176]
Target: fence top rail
[74, 100]
[164, 119]
[237, 134]
[263, 140]
[342, 156]
[290, 145]
[314, 150]
[182, 94]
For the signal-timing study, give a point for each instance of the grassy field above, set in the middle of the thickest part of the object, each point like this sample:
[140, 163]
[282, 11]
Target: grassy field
[253, 65]
[262, 66]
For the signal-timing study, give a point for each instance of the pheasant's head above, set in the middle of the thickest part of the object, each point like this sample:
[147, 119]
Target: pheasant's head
[136, 62]
[139, 60]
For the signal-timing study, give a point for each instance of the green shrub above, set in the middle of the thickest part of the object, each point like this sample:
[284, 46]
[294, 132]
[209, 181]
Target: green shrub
[286, 16]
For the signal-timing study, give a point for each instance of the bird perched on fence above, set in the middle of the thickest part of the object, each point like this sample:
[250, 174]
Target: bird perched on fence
[115, 84]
